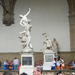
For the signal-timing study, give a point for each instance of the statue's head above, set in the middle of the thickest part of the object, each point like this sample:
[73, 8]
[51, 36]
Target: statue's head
[21, 16]
[46, 37]
[54, 39]
[29, 20]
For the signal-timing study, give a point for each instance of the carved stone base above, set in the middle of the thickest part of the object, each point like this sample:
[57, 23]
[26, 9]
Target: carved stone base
[27, 50]
[48, 58]
[27, 63]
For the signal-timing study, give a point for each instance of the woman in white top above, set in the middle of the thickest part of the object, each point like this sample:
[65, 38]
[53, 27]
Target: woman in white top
[58, 64]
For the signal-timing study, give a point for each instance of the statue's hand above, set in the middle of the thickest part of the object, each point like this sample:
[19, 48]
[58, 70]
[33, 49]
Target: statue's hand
[29, 9]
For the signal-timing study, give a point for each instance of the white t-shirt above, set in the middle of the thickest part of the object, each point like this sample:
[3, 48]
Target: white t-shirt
[16, 62]
[53, 63]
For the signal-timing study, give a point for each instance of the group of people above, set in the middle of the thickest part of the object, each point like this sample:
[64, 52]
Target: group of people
[13, 65]
[71, 65]
[58, 64]
[40, 64]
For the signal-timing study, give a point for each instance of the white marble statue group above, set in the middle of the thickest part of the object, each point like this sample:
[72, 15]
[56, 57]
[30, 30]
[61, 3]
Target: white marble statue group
[50, 45]
[25, 35]
[26, 38]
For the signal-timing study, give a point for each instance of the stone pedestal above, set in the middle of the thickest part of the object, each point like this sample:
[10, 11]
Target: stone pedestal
[48, 58]
[27, 63]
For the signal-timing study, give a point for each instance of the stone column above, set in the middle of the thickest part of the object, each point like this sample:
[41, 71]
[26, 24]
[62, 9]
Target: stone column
[71, 4]
[8, 17]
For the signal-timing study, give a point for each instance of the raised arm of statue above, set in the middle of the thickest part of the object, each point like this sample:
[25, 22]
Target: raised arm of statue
[24, 18]
[28, 12]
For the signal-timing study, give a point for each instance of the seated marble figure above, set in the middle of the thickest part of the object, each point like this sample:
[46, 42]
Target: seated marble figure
[47, 43]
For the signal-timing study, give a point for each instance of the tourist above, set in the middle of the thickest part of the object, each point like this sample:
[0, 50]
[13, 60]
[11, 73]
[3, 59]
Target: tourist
[35, 65]
[19, 66]
[40, 62]
[5, 65]
[73, 65]
[61, 61]
[13, 64]
[57, 64]
[24, 73]
[0, 63]
[57, 74]
[37, 71]
[60, 73]
[62, 66]
[41, 66]
[10, 65]
[16, 63]
[46, 73]
[53, 64]
[7, 73]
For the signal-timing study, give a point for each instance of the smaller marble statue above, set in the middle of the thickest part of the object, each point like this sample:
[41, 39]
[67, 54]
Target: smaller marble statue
[47, 43]
[55, 46]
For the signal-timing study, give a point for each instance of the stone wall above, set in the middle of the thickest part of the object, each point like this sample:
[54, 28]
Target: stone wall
[67, 56]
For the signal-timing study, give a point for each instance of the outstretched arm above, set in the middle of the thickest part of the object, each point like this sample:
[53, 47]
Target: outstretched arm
[28, 12]
[22, 32]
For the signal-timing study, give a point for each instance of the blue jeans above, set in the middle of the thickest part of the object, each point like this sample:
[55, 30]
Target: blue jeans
[53, 67]
[0, 65]
[15, 67]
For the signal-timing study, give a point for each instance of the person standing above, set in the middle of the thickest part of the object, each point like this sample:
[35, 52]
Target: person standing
[0, 63]
[61, 61]
[53, 64]
[16, 63]
[57, 64]
[5, 65]
[40, 62]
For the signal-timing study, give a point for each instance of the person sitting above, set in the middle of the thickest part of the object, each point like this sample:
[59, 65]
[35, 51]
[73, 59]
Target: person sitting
[73, 66]
[62, 65]
[7, 65]
[57, 64]
[40, 62]
[10, 65]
